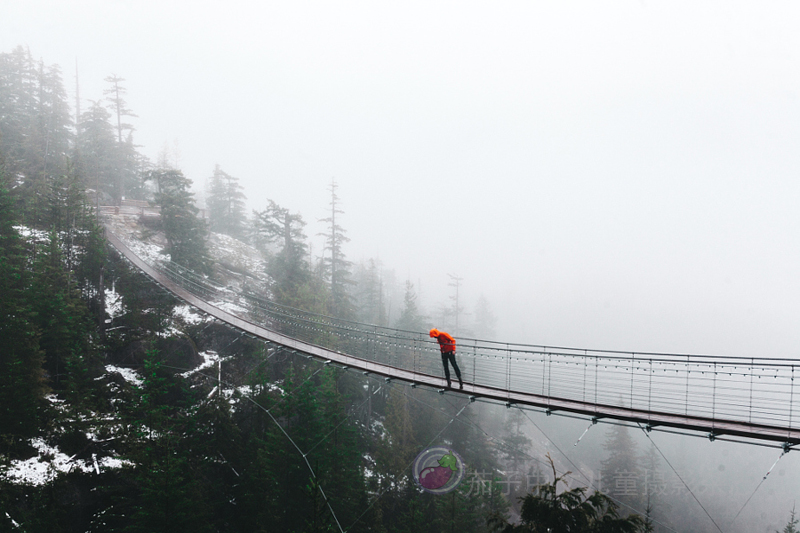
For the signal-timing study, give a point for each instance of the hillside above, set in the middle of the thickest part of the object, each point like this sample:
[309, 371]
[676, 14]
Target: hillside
[175, 400]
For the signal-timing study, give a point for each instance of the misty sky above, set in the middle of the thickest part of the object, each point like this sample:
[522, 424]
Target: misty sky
[615, 175]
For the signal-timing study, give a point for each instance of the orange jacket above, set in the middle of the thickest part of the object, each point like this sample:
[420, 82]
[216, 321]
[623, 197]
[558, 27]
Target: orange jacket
[446, 341]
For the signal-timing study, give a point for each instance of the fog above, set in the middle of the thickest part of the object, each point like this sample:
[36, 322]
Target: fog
[610, 175]
[617, 175]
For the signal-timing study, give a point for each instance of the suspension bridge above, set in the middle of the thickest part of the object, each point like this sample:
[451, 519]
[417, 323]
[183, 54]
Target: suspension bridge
[720, 396]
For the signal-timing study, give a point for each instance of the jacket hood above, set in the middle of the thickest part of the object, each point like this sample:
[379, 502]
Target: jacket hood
[434, 332]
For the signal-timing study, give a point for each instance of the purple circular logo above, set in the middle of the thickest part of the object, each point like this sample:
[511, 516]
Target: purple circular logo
[438, 470]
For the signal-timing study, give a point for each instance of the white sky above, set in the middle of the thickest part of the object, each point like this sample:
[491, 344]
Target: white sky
[609, 174]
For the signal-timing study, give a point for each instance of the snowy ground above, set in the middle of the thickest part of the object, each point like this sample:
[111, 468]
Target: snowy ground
[129, 374]
[189, 314]
[50, 462]
[236, 255]
[210, 359]
[127, 228]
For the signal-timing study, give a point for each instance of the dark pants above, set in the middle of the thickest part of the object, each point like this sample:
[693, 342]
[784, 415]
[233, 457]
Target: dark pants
[450, 356]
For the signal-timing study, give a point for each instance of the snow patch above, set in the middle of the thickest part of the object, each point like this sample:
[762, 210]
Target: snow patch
[210, 359]
[170, 331]
[51, 462]
[26, 233]
[189, 314]
[240, 255]
[129, 374]
[114, 306]
[368, 461]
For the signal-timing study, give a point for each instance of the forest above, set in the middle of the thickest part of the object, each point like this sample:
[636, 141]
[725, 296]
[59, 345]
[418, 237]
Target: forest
[121, 409]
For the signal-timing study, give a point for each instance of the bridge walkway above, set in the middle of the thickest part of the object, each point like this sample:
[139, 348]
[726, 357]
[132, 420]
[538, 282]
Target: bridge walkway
[751, 398]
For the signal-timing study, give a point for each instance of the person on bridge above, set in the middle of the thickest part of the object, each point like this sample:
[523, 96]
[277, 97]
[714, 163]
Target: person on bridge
[447, 344]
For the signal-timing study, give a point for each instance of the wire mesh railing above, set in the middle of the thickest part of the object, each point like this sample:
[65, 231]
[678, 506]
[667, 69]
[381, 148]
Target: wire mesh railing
[757, 391]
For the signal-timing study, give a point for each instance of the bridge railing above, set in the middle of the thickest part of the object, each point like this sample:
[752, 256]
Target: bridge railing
[752, 390]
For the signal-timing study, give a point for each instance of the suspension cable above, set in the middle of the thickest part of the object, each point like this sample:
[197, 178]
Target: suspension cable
[763, 479]
[682, 481]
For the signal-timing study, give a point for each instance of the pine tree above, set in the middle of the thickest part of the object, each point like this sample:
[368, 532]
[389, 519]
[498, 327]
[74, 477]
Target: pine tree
[410, 317]
[516, 443]
[259, 489]
[277, 490]
[126, 180]
[49, 132]
[300, 413]
[167, 497]
[293, 282]
[516, 449]
[657, 507]
[216, 444]
[370, 302]
[399, 443]
[89, 271]
[185, 233]
[335, 267]
[548, 510]
[116, 102]
[485, 321]
[55, 119]
[621, 474]
[468, 507]
[225, 204]
[97, 147]
[35, 128]
[34, 116]
[456, 309]
[61, 316]
[339, 456]
[22, 385]
[18, 80]
[791, 526]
